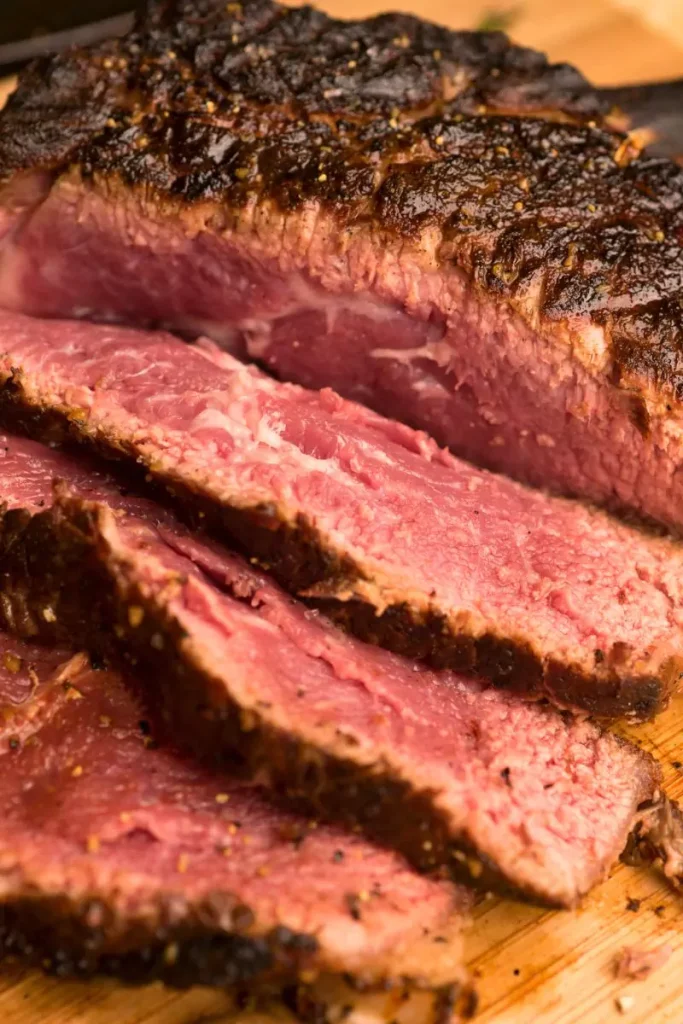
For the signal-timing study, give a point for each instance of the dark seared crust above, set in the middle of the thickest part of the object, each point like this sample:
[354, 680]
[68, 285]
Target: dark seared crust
[56, 935]
[302, 561]
[44, 935]
[392, 123]
[60, 105]
[314, 64]
[57, 558]
[288, 64]
[514, 667]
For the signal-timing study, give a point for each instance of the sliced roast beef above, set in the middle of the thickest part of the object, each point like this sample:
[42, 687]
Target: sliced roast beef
[497, 790]
[124, 857]
[432, 223]
[408, 546]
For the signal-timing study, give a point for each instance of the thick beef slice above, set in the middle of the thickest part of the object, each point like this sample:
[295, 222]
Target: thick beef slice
[124, 857]
[408, 546]
[433, 223]
[497, 790]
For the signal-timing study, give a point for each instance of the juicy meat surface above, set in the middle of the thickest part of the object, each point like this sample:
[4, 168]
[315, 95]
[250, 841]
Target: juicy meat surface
[506, 792]
[435, 224]
[125, 857]
[408, 546]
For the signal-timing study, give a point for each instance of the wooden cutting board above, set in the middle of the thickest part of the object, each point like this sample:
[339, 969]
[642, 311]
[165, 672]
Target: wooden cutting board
[531, 966]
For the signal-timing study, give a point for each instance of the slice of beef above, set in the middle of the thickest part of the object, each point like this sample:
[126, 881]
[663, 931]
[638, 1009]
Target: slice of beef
[123, 857]
[406, 545]
[474, 781]
[433, 223]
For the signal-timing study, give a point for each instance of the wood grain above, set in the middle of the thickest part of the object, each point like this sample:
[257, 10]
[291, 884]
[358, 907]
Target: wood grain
[531, 966]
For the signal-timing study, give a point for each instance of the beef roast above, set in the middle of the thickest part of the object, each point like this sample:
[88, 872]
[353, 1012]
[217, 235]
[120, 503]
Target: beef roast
[124, 857]
[433, 223]
[405, 544]
[500, 791]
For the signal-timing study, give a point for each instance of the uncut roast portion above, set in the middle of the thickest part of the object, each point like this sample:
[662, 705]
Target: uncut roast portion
[437, 224]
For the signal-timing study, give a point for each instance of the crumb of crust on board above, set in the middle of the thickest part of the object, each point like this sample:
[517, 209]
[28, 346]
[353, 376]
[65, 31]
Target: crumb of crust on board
[624, 1003]
[638, 963]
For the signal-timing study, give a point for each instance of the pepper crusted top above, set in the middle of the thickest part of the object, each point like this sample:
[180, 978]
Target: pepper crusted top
[300, 58]
[292, 67]
[393, 123]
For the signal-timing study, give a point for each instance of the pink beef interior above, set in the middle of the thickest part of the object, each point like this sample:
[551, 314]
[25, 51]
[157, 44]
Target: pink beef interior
[380, 327]
[549, 800]
[552, 802]
[423, 526]
[92, 809]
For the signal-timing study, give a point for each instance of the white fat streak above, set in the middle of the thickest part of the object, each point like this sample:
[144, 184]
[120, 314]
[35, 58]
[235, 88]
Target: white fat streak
[439, 352]
[270, 430]
[266, 435]
[304, 298]
[591, 347]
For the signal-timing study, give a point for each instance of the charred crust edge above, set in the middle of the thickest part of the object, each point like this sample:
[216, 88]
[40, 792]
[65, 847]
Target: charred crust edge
[53, 933]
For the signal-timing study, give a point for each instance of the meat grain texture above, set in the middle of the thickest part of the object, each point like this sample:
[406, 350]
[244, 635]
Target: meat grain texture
[406, 545]
[457, 777]
[376, 207]
[437, 224]
[121, 855]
